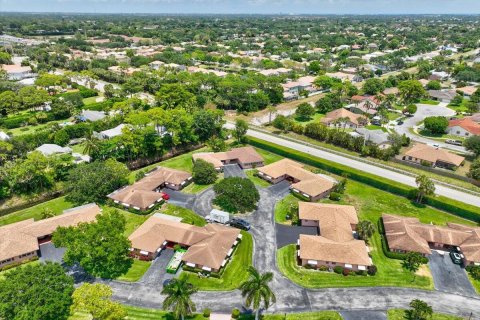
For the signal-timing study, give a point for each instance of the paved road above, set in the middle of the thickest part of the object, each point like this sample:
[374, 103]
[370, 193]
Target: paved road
[392, 175]
[423, 111]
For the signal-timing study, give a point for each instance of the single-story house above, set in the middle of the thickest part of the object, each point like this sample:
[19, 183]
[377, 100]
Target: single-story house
[465, 127]
[377, 137]
[432, 156]
[110, 133]
[245, 157]
[91, 115]
[306, 183]
[21, 241]
[335, 245]
[17, 72]
[343, 118]
[439, 75]
[145, 193]
[364, 105]
[442, 95]
[49, 149]
[208, 248]
[407, 234]
[467, 91]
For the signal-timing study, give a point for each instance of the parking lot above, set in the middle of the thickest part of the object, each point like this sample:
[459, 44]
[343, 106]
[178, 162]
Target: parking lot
[449, 277]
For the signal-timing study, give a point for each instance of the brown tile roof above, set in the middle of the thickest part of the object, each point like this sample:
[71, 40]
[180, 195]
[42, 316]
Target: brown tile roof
[433, 154]
[409, 234]
[22, 237]
[243, 155]
[342, 113]
[308, 182]
[142, 193]
[322, 249]
[208, 246]
[467, 124]
[336, 242]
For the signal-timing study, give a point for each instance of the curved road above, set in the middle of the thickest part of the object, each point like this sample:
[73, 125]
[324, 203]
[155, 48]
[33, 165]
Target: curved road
[423, 111]
[290, 297]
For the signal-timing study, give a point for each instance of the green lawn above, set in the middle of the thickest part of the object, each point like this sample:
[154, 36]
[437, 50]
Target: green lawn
[370, 204]
[315, 118]
[476, 283]
[268, 157]
[57, 205]
[135, 313]
[136, 271]
[320, 315]
[282, 208]
[430, 102]
[78, 148]
[374, 127]
[187, 215]
[462, 107]
[394, 115]
[235, 272]
[32, 263]
[251, 174]
[90, 100]
[133, 220]
[399, 314]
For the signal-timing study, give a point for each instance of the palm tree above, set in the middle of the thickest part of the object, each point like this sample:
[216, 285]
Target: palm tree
[178, 298]
[256, 289]
[365, 229]
[271, 111]
[91, 144]
[426, 187]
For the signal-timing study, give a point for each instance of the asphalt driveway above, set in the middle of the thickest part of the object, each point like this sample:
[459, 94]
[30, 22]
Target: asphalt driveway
[233, 170]
[280, 189]
[157, 273]
[179, 198]
[449, 277]
[289, 234]
[48, 252]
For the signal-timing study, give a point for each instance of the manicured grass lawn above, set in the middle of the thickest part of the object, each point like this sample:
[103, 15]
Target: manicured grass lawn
[235, 272]
[90, 100]
[57, 205]
[268, 157]
[315, 118]
[476, 283]
[394, 115]
[196, 188]
[187, 215]
[370, 204]
[399, 314]
[78, 148]
[136, 271]
[251, 174]
[429, 101]
[133, 220]
[282, 208]
[462, 107]
[374, 127]
[320, 315]
[135, 313]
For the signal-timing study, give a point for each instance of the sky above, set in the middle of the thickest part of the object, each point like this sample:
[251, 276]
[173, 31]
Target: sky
[246, 6]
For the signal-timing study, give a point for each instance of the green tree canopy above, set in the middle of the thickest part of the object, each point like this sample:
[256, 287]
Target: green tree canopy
[236, 194]
[411, 91]
[256, 290]
[178, 298]
[436, 124]
[420, 310]
[373, 86]
[39, 292]
[100, 247]
[92, 182]
[473, 144]
[241, 128]
[94, 299]
[426, 187]
[305, 111]
[204, 172]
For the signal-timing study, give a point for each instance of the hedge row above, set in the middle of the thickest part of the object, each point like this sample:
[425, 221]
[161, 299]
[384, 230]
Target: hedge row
[439, 202]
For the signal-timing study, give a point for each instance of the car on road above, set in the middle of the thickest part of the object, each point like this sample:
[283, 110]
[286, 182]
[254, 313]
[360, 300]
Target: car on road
[456, 257]
[455, 142]
[239, 224]
[399, 122]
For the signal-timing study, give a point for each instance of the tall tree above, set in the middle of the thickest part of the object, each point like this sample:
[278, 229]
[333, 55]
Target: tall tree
[100, 247]
[241, 128]
[94, 299]
[420, 310]
[426, 187]
[179, 298]
[40, 292]
[256, 290]
[413, 261]
[365, 229]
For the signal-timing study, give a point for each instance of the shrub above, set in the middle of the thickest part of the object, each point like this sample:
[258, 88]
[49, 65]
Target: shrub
[235, 313]
[177, 247]
[361, 272]
[338, 270]
[206, 313]
[323, 268]
[474, 271]
[346, 272]
[61, 138]
[372, 270]
[297, 128]
[335, 196]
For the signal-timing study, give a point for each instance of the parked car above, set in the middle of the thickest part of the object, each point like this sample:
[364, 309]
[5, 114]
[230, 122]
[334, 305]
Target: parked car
[455, 142]
[166, 196]
[456, 257]
[239, 224]
[399, 122]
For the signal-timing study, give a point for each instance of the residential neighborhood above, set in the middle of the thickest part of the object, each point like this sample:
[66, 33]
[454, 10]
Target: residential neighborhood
[239, 160]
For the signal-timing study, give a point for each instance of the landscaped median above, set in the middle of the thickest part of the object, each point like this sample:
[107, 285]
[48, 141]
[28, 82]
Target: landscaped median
[455, 207]
[234, 274]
